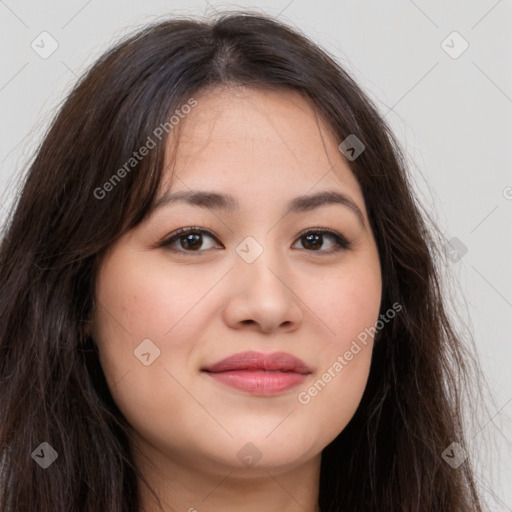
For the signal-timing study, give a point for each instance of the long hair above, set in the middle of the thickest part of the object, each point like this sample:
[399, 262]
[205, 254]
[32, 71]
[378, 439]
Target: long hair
[389, 456]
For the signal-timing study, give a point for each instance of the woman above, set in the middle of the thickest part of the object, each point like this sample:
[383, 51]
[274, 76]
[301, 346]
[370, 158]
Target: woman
[219, 293]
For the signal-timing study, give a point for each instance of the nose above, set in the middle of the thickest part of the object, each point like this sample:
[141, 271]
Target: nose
[262, 297]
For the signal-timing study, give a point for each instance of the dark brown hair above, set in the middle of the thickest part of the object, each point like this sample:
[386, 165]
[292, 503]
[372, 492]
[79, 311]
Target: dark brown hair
[388, 458]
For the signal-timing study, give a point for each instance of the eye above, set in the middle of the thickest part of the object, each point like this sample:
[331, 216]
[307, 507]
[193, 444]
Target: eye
[314, 239]
[190, 239]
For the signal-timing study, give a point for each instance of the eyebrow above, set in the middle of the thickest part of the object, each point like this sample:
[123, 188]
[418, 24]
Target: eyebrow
[229, 204]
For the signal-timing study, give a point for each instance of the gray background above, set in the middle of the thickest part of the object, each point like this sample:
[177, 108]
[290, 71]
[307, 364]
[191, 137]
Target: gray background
[453, 115]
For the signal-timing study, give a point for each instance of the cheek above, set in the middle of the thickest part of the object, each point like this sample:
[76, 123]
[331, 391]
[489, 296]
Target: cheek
[331, 399]
[143, 298]
[140, 300]
[137, 306]
[149, 300]
[349, 304]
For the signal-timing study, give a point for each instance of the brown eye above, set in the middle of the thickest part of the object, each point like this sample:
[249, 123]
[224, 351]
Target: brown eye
[314, 239]
[188, 240]
[192, 240]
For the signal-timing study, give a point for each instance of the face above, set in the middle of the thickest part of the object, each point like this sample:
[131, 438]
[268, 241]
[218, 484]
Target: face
[264, 271]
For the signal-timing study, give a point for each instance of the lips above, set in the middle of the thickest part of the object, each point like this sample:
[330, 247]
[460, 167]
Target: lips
[258, 373]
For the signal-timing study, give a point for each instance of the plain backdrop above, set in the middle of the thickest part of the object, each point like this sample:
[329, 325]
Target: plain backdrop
[440, 74]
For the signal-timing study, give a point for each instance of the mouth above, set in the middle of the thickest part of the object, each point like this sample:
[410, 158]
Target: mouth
[259, 374]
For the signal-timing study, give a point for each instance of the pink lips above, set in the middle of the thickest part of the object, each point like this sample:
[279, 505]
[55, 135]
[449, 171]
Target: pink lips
[258, 373]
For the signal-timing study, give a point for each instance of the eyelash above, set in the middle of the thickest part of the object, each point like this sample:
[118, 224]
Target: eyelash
[341, 243]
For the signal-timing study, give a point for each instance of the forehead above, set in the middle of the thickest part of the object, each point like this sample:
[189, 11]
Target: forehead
[244, 138]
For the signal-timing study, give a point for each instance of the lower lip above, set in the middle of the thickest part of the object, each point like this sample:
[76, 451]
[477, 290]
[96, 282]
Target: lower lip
[259, 382]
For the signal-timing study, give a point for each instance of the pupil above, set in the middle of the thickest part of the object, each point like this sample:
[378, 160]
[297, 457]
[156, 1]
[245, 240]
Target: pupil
[190, 241]
[310, 238]
[194, 241]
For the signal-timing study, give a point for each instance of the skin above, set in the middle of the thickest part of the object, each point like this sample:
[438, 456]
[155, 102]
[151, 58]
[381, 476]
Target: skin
[264, 148]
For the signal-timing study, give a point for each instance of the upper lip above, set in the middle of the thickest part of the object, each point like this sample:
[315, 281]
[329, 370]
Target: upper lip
[276, 361]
